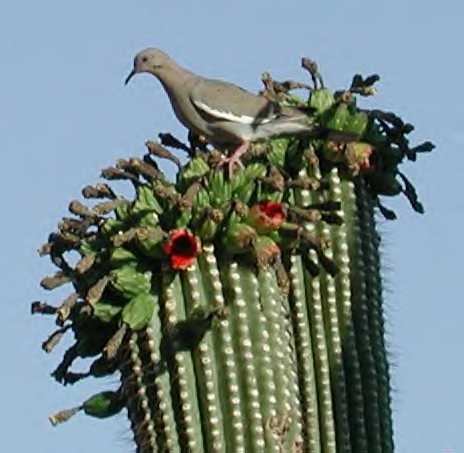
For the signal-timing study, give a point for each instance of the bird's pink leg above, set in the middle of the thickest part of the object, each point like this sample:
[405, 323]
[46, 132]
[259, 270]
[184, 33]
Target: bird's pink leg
[234, 159]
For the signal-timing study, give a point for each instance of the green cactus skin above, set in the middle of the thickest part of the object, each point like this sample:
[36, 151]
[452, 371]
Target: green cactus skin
[244, 315]
[304, 374]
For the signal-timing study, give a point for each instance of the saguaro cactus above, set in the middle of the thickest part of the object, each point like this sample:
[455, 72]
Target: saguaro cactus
[243, 313]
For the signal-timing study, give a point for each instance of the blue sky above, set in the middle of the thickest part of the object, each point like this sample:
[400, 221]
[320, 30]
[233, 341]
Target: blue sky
[64, 114]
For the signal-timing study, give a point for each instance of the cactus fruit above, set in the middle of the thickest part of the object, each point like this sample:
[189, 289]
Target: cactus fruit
[243, 313]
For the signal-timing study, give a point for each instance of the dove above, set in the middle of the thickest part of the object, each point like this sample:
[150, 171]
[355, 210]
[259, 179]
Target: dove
[225, 114]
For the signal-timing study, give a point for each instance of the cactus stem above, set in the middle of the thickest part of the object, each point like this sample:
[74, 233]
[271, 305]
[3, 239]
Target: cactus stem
[241, 339]
[262, 351]
[305, 359]
[326, 413]
[205, 367]
[375, 313]
[280, 321]
[334, 342]
[361, 320]
[158, 381]
[320, 340]
[139, 410]
[181, 370]
[350, 353]
[231, 401]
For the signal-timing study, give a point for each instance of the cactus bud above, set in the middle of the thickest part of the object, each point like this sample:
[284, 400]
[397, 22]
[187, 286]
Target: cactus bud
[239, 237]
[103, 404]
[209, 223]
[149, 241]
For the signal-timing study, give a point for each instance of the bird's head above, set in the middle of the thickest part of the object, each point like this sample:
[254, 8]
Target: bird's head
[150, 60]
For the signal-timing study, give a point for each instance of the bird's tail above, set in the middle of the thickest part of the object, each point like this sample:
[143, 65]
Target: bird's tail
[295, 124]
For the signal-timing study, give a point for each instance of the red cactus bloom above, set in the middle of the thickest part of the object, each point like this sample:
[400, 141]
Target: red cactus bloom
[182, 248]
[267, 215]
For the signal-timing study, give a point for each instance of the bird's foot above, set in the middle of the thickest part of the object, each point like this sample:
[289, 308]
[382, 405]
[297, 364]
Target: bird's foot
[234, 159]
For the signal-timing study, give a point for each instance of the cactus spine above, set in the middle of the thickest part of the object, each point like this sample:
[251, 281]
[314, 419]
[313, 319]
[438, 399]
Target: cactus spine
[244, 314]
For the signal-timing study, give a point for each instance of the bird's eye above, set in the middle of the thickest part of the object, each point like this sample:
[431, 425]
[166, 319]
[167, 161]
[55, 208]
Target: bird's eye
[144, 59]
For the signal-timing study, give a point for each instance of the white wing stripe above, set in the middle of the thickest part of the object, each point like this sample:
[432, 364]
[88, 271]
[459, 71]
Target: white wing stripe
[229, 116]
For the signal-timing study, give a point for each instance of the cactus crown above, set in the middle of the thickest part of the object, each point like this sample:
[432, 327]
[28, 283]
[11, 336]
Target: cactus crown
[243, 312]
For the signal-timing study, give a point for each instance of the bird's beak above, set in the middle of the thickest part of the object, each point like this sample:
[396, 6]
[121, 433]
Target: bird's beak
[132, 74]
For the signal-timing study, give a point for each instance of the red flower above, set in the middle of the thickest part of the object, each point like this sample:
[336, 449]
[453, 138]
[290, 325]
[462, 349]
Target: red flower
[267, 216]
[182, 248]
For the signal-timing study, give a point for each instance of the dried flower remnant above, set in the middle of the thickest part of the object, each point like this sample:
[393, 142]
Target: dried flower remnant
[267, 216]
[360, 158]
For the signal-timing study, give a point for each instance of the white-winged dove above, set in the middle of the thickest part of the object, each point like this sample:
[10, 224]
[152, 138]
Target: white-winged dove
[220, 111]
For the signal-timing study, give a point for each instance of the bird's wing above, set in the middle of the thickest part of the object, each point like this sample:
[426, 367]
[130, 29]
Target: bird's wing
[226, 101]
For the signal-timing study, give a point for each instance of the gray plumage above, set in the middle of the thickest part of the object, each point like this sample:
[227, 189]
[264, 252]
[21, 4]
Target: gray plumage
[220, 111]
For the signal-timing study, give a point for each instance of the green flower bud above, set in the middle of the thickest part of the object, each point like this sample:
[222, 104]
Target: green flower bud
[103, 404]
[192, 171]
[338, 120]
[356, 123]
[120, 256]
[239, 237]
[321, 100]
[209, 224]
[112, 226]
[149, 241]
